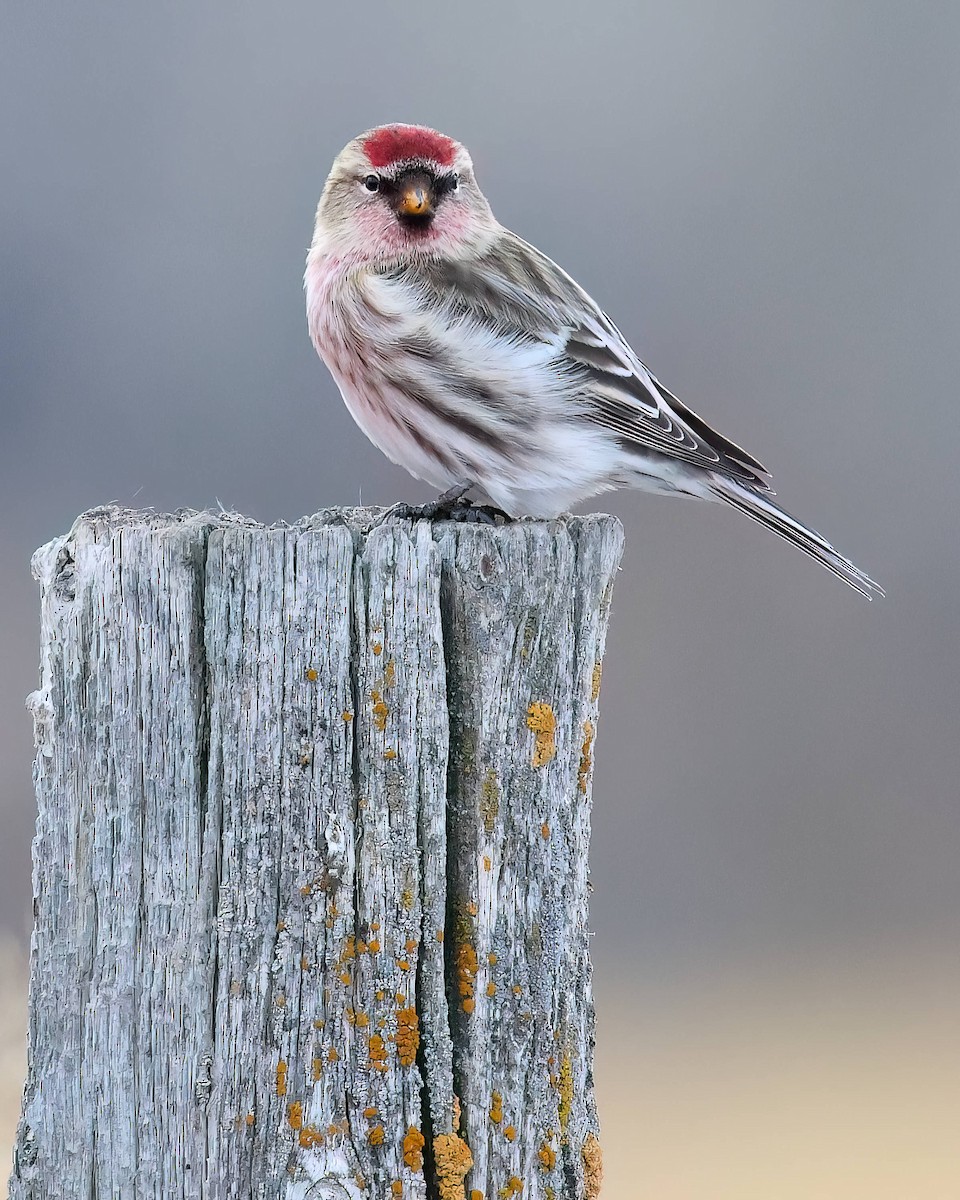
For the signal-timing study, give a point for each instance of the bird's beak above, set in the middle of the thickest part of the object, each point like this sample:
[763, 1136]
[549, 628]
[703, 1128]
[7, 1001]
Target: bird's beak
[416, 200]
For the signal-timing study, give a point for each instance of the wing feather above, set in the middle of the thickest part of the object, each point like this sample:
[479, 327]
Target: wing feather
[516, 291]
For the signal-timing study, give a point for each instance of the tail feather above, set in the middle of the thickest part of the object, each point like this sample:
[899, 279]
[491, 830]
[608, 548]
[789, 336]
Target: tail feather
[760, 508]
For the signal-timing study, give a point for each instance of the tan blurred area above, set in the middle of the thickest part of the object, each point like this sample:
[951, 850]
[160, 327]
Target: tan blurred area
[827, 1081]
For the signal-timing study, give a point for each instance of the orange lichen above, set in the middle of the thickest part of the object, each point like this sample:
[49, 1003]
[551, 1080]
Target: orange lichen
[310, 1137]
[410, 945]
[389, 673]
[510, 1133]
[347, 716]
[487, 864]
[592, 1167]
[413, 1143]
[513, 1187]
[376, 1135]
[469, 1005]
[403, 964]
[407, 898]
[396, 1188]
[489, 800]
[544, 831]
[371, 1112]
[345, 978]
[547, 1156]
[453, 1160]
[586, 759]
[390, 754]
[408, 1036]
[566, 1091]
[362, 1020]
[374, 926]
[377, 1051]
[543, 724]
[472, 908]
[318, 1023]
[295, 1115]
[313, 674]
[282, 1077]
[374, 946]
[333, 1054]
[380, 710]
[378, 648]
[476, 1194]
[304, 963]
[361, 946]
[492, 959]
[595, 681]
[280, 1001]
[491, 989]
[316, 1069]
[467, 967]
[496, 1108]
[439, 935]
[517, 989]
[249, 1119]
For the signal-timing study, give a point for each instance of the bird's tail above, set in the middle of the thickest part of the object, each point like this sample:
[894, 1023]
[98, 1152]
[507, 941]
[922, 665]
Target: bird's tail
[760, 508]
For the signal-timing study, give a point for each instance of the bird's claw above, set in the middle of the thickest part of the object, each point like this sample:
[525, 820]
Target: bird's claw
[451, 506]
[476, 514]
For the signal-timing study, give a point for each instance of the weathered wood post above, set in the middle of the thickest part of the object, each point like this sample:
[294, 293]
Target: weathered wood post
[310, 870]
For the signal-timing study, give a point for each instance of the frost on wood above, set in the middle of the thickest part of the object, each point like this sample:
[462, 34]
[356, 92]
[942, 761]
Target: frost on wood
[310, 870]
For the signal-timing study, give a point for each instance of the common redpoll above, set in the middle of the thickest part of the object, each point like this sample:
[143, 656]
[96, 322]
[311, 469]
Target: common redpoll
[470, 358]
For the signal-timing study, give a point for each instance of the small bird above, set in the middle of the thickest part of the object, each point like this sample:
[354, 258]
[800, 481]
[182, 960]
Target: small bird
[472, 360]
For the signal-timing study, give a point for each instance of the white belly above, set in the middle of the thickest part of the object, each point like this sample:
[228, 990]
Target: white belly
[528, 450]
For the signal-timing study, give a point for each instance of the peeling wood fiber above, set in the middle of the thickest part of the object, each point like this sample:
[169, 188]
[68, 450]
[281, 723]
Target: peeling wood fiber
[310, 870]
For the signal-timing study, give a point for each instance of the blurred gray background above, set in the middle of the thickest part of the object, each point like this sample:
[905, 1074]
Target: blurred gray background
[765, 197]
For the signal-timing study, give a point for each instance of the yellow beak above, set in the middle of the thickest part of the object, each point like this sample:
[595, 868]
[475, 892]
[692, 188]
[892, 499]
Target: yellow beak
[415, 201]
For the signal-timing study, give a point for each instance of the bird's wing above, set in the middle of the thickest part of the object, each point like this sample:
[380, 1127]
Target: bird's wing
[515, 291]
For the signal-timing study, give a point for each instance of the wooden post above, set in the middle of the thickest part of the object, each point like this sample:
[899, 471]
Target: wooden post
[310, 869]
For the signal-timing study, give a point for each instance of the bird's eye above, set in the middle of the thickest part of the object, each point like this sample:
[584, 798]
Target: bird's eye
[372, 183]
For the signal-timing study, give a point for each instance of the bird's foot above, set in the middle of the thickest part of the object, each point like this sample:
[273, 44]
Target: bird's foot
[452, 505]
[469, 513]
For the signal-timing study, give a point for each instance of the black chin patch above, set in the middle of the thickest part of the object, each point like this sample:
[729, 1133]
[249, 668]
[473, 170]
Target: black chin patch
[417, 222]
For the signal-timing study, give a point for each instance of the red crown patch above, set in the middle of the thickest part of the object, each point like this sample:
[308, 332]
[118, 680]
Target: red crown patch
[397, 143]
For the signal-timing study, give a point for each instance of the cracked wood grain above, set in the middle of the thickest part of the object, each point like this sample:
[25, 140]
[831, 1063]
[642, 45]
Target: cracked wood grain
[310, 869]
